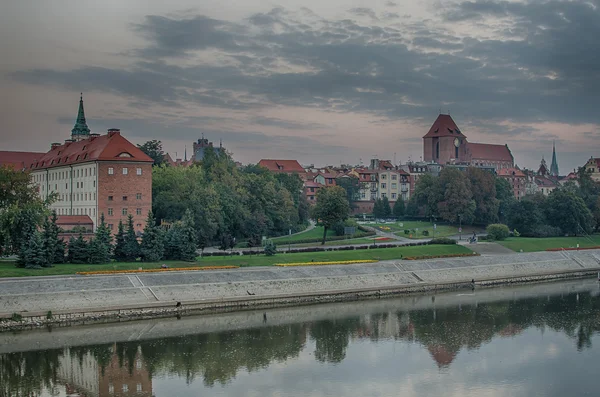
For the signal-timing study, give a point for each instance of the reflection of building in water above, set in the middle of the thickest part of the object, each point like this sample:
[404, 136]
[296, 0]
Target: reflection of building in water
[386, 326]
[84, 377]
[441, 355]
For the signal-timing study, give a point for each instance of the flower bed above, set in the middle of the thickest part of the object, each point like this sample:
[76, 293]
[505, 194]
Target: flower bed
[382, 239]
[174, 269]
[326, 263]
[421, 257]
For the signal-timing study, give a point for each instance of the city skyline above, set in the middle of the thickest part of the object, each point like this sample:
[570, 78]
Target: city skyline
[320, 83]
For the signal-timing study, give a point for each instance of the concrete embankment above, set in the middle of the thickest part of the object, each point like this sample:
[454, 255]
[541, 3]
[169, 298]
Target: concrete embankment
[76, 299]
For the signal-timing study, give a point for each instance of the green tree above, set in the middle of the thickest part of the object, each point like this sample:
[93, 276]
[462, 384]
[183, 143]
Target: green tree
[78, 250]
[457, 196]
[483, 190]
[53, 245]
[399, 208]
[525, 216]
[152, 247]
[385, 207]
[352, 187]
[173, 242]
[103, 234]
[378, 210]
[497, 231]
[155, 151]
[427, 195]
[180, 242]
[33, 254]
[568, 211]
[331, 207]
[131, 248]
[270, 248]
[119, 252]
[98, 252]
[505, 197]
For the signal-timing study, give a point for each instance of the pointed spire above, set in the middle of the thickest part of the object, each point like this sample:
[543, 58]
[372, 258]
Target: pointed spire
[554, 164]
[185, 154]
[80, 130]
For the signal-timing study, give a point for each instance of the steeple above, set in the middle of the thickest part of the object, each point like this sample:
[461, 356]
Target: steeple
[554, 164]
[80, 131]
[185, 154]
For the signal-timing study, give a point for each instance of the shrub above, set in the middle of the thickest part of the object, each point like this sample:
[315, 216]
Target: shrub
[406, 231]
[497, 231]
[425, 232]
[442, 240]
[516, 233]
[49, 315]
[270, 248]
[16, 317]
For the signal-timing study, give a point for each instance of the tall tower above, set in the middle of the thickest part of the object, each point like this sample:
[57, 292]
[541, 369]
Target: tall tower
[80, 131]
[444, 143]
[554, 164]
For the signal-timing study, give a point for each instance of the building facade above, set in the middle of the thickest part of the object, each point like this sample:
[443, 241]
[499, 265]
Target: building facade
[517, 180]
[593, 167]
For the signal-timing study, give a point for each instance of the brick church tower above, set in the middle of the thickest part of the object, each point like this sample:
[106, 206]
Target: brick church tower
[445, 143]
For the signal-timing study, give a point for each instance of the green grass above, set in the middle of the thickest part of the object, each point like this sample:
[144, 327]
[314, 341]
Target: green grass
[7, 268]
[441, 230]
[353, 241]
[531, 244]
[316, 233]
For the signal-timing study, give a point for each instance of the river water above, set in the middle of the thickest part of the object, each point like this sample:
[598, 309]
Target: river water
[533, 340]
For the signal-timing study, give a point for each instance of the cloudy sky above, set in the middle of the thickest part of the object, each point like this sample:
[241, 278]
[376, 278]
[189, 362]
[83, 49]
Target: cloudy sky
[323, 82]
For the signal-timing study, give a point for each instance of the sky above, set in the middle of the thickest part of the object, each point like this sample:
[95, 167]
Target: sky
[323, 82]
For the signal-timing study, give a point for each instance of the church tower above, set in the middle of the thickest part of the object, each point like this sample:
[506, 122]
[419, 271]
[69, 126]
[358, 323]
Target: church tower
[444, 142]
[554, 164]
[80, 131]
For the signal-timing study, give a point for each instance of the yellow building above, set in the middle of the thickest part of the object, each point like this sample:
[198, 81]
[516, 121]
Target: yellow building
[593, 167]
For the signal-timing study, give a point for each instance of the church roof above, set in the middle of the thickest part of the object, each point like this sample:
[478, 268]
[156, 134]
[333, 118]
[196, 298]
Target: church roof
[490, 152]
[444, 126]
[109, 147]
[81, 127]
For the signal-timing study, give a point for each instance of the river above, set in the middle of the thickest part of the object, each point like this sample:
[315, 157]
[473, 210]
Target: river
[531, 340]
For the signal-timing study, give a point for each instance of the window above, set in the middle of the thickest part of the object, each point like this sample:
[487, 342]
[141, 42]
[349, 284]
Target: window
[312, 189]
[110, 226]
[138, 364]
[312, 197]
[111, 170]
[138, 225]
[383, 185]
[111, 387]
[139, 387]
[363, 195]
[394, 196]
[110, 212]
[125, 388]
[124, 211]
[85, 196]
[138, 211]
[138, 171]
[382, 195]
[86, 172]
[383, 176]
[394, 177]
[138, 196]
[124, 198]
[125, 171]
[110, 198]
[94, 183]
[394, 186]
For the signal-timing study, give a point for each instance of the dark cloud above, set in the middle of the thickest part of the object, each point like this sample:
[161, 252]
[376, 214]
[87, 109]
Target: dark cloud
[285, 124]
[302, 60]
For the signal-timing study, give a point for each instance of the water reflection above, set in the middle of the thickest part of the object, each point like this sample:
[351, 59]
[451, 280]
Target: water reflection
[128, 368]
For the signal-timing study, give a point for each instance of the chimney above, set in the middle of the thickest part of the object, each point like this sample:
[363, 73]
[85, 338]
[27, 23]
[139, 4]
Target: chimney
[54, 145]
[93, 136]
[68, 142]
[113, 132]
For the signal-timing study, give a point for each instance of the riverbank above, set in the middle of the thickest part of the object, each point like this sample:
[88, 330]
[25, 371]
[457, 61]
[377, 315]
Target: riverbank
[81, 299]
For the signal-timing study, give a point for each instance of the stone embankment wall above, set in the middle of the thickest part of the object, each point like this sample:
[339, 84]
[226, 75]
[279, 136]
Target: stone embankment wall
[77, 299]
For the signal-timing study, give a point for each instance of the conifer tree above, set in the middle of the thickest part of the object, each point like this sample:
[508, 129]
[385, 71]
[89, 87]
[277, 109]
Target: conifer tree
[385, 207]
[33, 253]
[399, 208]
[78, 250]
[152, 248]
[119, 251]
[103, 234]
[98, 252]
[188, 237]
[132, 247]
[173, 242]
[54, 247]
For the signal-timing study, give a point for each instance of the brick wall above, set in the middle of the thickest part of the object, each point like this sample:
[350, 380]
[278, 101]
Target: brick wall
[119, 186]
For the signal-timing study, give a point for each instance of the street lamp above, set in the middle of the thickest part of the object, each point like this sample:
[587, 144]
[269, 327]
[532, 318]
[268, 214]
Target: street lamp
[459, 226]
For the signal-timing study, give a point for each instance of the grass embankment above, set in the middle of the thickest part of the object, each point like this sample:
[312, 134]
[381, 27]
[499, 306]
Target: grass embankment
[8, 269]
[417, 227]
[532, 244]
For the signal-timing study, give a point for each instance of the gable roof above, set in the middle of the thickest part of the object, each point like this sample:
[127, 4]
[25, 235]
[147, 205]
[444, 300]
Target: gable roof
[514, 172]
[109, 147]
[486, 151]
[444, 126]
[18, 160]
[73, 220]
[281, 165]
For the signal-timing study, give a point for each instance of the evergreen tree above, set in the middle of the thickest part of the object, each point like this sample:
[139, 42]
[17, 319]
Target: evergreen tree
[188, 237]
[173, 242]
[33, 254]
[131, 247]
[103, 234]
[152, 248]
[385, 207]
[119, 250]
[53, 246]
[78, 250]
[378, 211]
[399, 208]
[98, 252]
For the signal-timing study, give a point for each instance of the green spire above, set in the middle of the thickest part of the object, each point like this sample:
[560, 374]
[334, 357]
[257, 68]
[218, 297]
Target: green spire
[80, 127]
[554, 164]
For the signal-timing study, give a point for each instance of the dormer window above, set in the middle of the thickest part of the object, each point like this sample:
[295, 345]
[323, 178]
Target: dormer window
[124, 154]
[83, 148]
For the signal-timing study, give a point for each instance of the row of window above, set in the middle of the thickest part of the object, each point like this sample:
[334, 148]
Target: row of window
[76, 211]
[61, 175]
[125, 170]
[124, 211]
[77, 197]
[363, 195]
[111, 388]
[138, 196]
[394, 177]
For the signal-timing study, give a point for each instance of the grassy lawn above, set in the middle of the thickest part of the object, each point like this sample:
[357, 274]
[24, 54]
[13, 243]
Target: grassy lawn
[530, 244]
[354, 241]
[442, 230]
[7, 268]
[316, 233]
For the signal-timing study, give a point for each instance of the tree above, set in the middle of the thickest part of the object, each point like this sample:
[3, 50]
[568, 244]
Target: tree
[131, 248]
[53, 246]
[33, 254]
[352, 187]
[78, 250]
[385, 207]
[331, 207]
[427, 195]
[152, 248]
[120, 240]
[497, 231]
[524, 216]
[399, 208]
[98, 252]
[457, 197]
[181, 239]
[155, 151]
[378, 211]
[568, 211]
[505, 197]
[483, 190]
[103, 234]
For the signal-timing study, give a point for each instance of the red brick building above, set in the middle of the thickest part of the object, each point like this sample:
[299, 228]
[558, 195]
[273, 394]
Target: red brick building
[517, 180]
[93, 174]
[445, 143]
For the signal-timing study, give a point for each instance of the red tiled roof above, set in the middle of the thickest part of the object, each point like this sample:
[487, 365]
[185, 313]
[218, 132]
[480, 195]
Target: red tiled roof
[510, 172]
[73, 220]
[596, 160]
[485, 151]
[312, 184]
[111, 146]
[443, 126]
[544, 182]
[18, 160]
[281, 165]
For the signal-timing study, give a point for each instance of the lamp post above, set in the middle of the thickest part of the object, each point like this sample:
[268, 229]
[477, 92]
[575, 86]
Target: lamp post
[459, 226]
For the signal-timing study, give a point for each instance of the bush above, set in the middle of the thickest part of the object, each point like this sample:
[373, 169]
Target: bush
[545, 231]
[442, 240]
[270, 248]
[516, 233]
[338, 228]
[425, 232]
[406, 231]
[497, 231]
